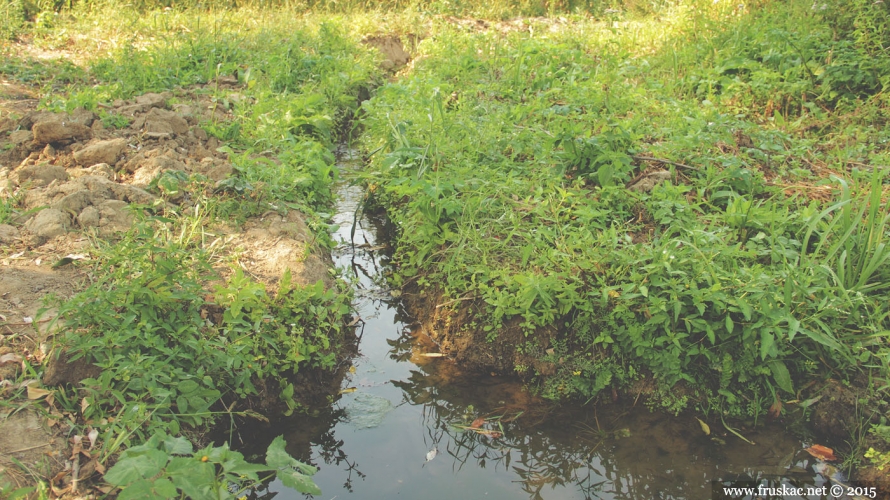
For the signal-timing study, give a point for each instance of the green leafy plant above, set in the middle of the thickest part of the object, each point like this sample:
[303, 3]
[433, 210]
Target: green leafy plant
[851, 237]
[168, 467]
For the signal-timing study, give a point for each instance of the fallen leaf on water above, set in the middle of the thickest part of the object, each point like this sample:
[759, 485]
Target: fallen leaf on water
[37, 393]
[432, 454]
[821, 452]
[348, 390]
[704, 426]
[352, 369]
[432, 354]
[479, 422]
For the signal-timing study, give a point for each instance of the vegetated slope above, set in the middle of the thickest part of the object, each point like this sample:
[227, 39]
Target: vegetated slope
[208, 305]
[693, 197]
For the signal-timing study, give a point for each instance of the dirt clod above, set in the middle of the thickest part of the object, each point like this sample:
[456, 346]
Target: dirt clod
[8, 234]
[61, 369]
[101, 152]
[648, 181]
[40, 175]
[56, 131]
[394, 54]
[48, 224]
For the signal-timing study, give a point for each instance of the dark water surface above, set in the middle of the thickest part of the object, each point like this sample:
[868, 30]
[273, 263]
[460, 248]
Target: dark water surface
[400, 428]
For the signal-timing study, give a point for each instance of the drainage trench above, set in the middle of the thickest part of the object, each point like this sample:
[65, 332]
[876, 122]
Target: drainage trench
[414, 426]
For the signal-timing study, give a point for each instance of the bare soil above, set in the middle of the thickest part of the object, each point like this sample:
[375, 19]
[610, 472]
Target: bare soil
[75, 181]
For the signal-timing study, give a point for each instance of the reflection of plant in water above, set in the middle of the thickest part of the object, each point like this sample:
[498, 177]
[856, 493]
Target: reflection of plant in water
[330, 449]
[605, 452]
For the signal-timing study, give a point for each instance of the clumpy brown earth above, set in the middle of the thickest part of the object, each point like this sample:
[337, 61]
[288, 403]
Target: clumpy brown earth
[75, 180]
[447, 324]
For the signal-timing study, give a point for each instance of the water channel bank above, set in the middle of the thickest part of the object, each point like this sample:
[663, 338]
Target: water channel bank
[412, 425]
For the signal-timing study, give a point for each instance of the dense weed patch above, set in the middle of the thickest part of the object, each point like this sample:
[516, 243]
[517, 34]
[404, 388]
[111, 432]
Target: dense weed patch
[503, 159]
[180, 340]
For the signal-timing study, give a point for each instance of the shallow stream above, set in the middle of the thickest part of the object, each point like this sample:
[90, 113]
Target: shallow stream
[402, 425]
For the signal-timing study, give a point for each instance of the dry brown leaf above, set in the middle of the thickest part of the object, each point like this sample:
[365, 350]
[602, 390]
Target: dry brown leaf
[776, 409]
[93, 436]
[76, 446]
[478, 423]
[37, 392]
[821, 452]
[10, 357]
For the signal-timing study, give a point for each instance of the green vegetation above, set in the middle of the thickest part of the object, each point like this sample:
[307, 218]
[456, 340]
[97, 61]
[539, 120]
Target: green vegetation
[145, 318]
[503, 160]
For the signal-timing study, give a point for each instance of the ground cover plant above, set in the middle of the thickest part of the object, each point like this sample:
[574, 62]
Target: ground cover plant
[515, 168]
[181, 337]
[681, 198]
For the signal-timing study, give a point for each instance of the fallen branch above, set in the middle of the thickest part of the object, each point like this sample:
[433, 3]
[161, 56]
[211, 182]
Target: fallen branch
[30, 448]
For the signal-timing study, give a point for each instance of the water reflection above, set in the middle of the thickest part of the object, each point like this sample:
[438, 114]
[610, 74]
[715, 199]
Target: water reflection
[443, 434]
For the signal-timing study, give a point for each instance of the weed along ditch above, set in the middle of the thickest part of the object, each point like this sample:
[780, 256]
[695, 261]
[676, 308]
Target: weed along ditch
[409, 422]
[573, 250]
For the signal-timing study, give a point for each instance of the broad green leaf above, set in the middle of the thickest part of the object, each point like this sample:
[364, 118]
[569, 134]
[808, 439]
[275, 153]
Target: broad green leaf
[140, 490]
[278, 458]
[746, 308]
[793, 327]
[177, 446]
[182, 404]
[195, 478]
[781, 375]
[730, 397]
[767, 340]
[187, 386]
[298, 481]
[164, 488]
[131, 469]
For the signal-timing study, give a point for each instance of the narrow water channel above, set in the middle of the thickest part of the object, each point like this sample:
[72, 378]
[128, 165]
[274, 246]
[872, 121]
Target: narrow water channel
[401, 427]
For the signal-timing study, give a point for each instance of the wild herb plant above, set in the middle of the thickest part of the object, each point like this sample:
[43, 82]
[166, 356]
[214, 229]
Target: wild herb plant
[720, 279]
[168, 467]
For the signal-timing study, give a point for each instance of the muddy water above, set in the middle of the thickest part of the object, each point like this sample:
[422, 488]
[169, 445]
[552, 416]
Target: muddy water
[401, 428]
